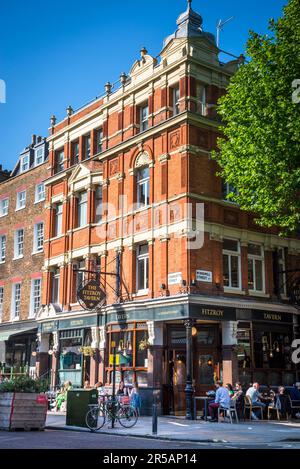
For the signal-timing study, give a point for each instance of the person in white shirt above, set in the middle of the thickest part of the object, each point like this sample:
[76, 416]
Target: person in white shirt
[255, 396]
[222, 399]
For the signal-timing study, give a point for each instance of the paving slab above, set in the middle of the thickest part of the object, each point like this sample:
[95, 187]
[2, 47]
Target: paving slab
[170, 428]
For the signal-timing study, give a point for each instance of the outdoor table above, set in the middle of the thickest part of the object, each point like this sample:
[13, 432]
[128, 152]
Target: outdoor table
[206, 399]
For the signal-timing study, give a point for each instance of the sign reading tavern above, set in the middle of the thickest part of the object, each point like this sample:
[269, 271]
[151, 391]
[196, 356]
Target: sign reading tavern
[91, 295]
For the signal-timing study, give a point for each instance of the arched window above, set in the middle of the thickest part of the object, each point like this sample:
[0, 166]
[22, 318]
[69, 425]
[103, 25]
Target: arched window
[142, 179]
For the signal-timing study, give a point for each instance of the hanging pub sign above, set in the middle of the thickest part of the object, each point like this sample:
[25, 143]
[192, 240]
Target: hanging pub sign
[91, 295]
[295, 293]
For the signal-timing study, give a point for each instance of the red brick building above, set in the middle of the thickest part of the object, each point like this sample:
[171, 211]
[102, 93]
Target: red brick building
[22, 216]
[124, 171]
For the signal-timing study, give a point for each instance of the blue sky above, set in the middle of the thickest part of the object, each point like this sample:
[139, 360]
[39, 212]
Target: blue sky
[62, 52]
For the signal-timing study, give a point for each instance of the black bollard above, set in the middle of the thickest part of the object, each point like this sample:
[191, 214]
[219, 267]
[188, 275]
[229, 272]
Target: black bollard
[154, 418]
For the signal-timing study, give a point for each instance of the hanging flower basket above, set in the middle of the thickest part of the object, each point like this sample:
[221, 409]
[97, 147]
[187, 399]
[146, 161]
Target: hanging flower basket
[87, 351]
[144, 344]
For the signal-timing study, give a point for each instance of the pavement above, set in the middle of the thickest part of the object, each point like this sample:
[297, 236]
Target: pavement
[179, 429]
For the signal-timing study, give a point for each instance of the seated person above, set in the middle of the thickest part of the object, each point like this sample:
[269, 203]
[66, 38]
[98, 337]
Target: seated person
[282, 402]
[222, 399]
[239, 398]
[230, 389]
[255, 396]
[87, 385]
[101, 390]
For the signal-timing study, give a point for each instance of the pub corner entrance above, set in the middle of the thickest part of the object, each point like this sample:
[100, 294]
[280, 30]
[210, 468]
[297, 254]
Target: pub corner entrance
[206, 359]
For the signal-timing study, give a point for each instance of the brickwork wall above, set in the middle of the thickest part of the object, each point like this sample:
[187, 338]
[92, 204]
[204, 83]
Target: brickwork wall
[30, 266]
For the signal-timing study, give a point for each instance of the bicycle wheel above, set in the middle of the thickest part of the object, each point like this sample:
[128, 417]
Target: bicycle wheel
[95, 419]
[127, 416]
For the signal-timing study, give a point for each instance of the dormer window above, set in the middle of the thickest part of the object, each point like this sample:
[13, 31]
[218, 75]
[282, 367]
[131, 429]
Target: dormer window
[24, 163]
[39, 155]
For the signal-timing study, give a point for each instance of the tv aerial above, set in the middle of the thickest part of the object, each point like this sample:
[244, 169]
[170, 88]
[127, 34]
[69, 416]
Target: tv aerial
[220, 26]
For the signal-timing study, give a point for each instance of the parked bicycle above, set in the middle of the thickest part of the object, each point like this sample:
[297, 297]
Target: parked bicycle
[108, 410]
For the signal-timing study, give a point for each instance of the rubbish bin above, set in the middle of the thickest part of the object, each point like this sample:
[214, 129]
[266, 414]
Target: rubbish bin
[78, 401]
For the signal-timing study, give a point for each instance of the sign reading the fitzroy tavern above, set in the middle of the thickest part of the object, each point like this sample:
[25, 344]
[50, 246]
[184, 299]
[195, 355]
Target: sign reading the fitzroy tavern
[90, 295]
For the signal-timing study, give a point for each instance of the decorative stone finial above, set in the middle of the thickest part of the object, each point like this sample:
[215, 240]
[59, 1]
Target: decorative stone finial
[70, 111]
[144, 51]
[53, 120]
[108, 87]
[123, 78]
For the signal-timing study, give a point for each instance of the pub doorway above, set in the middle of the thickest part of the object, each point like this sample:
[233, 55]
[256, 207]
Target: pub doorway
[205, 359]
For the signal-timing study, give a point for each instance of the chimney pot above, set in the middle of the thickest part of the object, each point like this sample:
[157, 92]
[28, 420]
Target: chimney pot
[33, 140]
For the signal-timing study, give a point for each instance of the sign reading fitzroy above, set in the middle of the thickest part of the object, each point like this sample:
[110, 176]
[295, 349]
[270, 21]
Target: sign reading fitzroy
[295, 293]
[91, 296]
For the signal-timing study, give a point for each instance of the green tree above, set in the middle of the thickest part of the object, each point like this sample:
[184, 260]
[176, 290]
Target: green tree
[260, 152]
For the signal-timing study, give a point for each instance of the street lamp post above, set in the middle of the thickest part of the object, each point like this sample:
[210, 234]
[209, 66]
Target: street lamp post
[189, 374]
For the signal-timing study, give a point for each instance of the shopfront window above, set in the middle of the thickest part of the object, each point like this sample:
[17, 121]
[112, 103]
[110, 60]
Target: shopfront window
[131, 342]
[70, 356]
[272, 349]
[244, 351]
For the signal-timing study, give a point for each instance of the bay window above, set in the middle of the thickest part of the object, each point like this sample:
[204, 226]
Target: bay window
[231, 264]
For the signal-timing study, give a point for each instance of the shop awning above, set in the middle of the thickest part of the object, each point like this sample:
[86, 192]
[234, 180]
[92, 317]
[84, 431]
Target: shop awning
[5, 335]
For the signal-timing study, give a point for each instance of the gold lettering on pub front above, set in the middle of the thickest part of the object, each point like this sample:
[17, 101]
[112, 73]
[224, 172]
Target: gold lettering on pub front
[213, 312]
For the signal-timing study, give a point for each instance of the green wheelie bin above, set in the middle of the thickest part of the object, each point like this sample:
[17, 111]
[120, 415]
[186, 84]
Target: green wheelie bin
[78, 401]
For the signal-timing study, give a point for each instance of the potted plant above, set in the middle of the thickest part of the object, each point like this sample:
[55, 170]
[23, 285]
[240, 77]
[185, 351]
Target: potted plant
[23, 404]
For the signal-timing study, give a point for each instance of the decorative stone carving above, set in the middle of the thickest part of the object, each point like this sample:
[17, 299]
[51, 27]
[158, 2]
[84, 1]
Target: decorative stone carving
[151, 332]
[142, 160]
[114, 167]
[174, 140]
